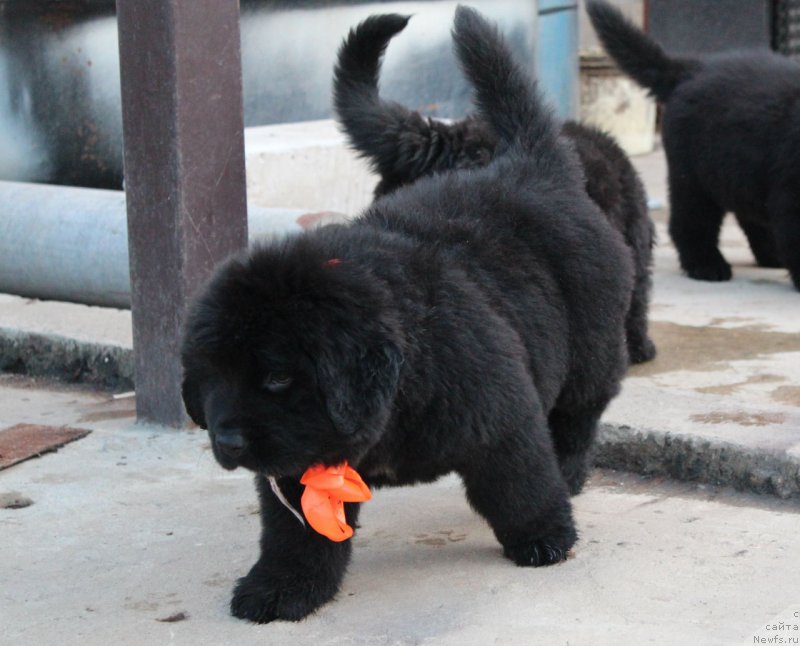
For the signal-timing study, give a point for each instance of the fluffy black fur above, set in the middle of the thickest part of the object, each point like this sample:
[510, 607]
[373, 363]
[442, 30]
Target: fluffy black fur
[403, 146]
[731, 134]
[472, 323]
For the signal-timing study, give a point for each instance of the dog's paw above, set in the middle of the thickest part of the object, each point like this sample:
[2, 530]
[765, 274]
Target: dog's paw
[765, 254]
[716, 272]
[575, 471]
[641, 350]
[549, 543]
[536, 552]
[261, 599]
[769, 262]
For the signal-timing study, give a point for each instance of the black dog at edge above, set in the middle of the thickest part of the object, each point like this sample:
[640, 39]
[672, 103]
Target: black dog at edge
[731, 134]
[472, 322]
[402, 146]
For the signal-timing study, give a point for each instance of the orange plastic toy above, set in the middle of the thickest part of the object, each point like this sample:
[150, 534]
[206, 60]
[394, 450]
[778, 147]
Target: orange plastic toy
[327, 489]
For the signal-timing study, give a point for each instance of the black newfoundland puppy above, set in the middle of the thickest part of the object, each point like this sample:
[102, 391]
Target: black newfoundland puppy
[472, 322]
[402, 146]
[731, 134]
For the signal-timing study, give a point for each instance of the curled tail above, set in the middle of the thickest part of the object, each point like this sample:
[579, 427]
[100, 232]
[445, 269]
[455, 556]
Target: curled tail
[355, 87]
[637, 55]
[400, 144]
[506, 97]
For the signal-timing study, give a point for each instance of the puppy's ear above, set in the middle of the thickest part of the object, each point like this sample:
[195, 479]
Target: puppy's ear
[193, 401]
[359, 383]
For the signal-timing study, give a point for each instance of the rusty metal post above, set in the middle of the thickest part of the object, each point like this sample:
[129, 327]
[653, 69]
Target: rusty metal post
[184, 173]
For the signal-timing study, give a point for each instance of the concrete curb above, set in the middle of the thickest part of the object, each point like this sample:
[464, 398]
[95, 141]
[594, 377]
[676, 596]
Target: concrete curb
[683, 457]
[643, 451]
[50, 355]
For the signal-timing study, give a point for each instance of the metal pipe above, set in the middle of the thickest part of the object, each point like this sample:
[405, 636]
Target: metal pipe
[71, 244]
[60, 101]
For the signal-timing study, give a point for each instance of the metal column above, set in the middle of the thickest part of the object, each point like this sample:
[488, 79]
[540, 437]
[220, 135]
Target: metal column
[184, 173]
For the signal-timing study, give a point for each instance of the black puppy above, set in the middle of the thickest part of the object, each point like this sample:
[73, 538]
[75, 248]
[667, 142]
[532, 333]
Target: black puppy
[731, 134]
[403, 146]
[447, 329]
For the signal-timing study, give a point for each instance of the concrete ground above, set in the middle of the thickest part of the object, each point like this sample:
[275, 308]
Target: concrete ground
[136, 524]
[133, 525]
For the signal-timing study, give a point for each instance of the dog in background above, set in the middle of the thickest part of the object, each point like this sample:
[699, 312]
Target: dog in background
[472, 322]
[401, 146]
[731, 134]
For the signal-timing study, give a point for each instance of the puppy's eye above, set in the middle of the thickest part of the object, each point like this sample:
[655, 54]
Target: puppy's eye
[277, 382]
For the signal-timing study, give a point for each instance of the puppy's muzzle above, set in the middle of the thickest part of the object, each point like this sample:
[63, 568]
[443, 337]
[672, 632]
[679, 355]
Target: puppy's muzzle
[230, 446]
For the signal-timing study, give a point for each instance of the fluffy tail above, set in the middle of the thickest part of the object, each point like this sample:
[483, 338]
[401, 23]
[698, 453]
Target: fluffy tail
[637, 55]
[506, 97]
[355, 85]
[399, 143]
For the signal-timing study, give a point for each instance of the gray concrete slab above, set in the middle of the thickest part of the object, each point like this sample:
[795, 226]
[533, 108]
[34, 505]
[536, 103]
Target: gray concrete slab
[135, 524]
[84, 323]
[725, 386]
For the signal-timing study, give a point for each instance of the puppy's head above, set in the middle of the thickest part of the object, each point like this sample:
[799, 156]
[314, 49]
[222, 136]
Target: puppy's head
[290, 360]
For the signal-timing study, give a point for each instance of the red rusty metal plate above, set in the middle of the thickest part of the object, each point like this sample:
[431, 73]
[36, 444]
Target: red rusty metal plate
[24, 441]
[311, 220]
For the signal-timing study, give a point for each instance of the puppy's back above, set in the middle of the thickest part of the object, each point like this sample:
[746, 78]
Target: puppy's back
[530, 198]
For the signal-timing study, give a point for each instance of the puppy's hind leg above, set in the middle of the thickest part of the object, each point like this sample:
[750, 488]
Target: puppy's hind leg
[784, 211]
[515, 484]
[574, 430]
[640, 238]
[298, 570]
[694, 224]
[761, 241]
[641, 347]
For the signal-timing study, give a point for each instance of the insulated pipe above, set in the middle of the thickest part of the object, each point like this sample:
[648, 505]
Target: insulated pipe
[71, 244]
[60, 102]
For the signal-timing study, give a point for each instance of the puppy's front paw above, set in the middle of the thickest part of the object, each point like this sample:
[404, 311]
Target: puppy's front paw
[715, 272]
[533, 550]
[641, 350]
[535, 553]
[261, 598]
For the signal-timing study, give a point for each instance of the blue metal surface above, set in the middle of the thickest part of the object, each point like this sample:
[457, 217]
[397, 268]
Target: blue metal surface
[546, 6]
[557, 54]
[59, 81]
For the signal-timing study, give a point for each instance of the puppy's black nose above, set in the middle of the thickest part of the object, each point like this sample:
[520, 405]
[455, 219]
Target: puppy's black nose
[230, 443]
